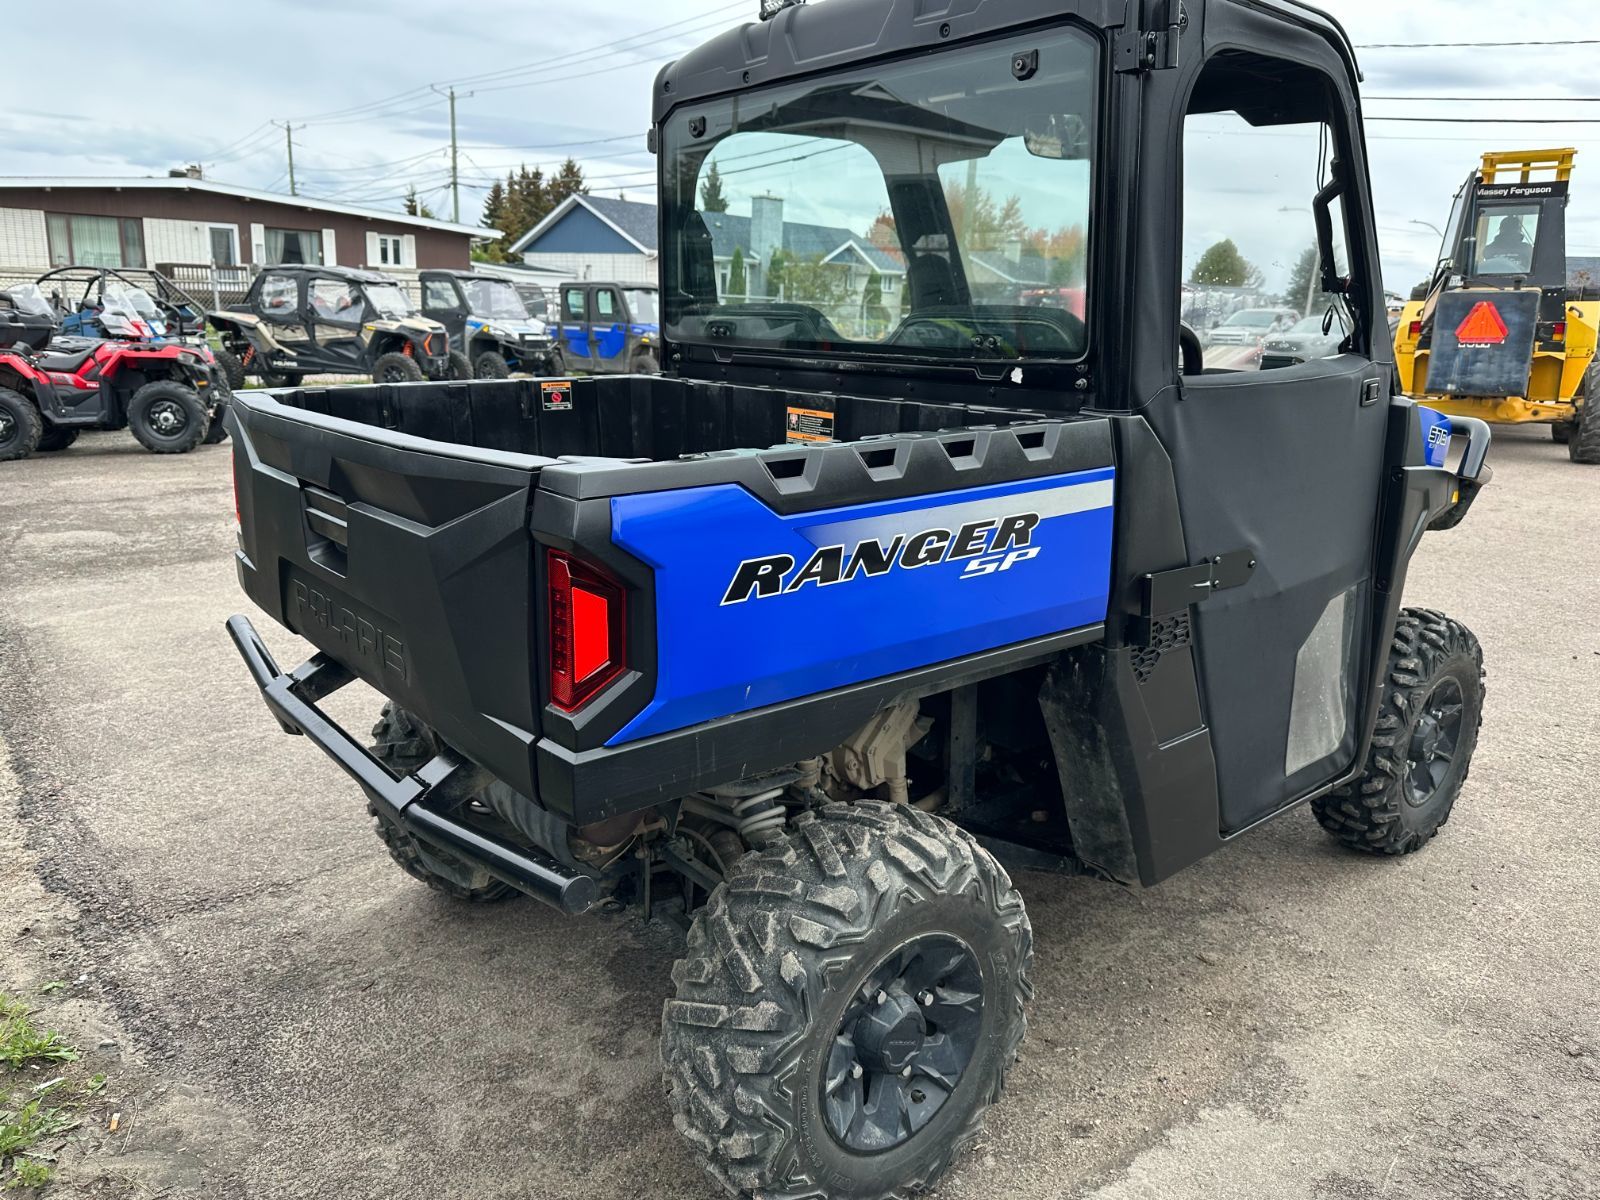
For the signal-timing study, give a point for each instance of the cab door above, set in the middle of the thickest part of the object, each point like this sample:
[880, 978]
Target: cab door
[334, 309]
[444, 302]
[575, 322]
[1282, 467]
[281, 308]
[608, 330]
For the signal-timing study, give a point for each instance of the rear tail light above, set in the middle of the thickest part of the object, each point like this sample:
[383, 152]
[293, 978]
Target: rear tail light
[1414, 330]
[1558, 332]
[588, 610]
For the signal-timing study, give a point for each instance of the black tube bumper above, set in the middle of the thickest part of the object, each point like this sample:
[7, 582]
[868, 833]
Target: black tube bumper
[412, 802]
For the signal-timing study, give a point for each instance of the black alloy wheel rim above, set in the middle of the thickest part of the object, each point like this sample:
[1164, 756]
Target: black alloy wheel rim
[167, 418]
[1435, 741]
[393, 374]
[903, 1045]
[8, 428]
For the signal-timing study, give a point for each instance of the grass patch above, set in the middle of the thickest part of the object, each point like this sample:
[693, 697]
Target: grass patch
[22, 1042]
[51, 1110]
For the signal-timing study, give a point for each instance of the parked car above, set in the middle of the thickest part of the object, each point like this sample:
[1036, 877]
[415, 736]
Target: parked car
[489, 323]
[1249, 326]
[1317, 336]
[303, 320]
[610, 327]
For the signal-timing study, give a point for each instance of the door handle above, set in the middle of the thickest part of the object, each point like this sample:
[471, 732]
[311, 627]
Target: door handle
[1371, 390]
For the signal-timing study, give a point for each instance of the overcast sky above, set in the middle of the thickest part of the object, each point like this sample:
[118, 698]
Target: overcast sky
[355, 73]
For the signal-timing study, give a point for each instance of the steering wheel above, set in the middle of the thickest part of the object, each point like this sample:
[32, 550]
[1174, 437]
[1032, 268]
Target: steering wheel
[1191, 358]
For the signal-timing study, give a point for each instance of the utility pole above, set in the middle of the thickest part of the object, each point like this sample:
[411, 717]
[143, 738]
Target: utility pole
[288, 141]
[455, 174]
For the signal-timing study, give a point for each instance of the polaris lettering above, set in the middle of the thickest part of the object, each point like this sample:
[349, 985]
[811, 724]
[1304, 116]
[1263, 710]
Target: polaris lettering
[993, 545]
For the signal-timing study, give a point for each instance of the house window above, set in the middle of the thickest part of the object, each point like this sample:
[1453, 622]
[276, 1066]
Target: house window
[391, 251]
[294, 246]
[224, 241]
[83, 241]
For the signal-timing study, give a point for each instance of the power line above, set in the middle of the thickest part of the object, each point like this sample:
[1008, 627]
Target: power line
[1493, 120]
[1490, 98]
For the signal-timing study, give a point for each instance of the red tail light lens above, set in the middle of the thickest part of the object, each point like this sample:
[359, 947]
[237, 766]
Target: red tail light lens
[1414, 330]
[588, 610]
[1558, 331]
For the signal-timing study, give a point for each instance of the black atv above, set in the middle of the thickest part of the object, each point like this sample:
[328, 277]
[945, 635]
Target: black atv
[488, 319]
[306, 320]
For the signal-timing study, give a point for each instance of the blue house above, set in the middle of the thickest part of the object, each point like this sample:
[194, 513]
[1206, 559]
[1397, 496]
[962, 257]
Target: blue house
[594, 237]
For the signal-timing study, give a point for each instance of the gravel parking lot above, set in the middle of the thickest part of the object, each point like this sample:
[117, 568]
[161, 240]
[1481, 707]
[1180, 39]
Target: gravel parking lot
[290, 1016]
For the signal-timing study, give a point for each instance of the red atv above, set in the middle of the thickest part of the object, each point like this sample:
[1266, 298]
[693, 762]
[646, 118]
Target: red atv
[170, 395]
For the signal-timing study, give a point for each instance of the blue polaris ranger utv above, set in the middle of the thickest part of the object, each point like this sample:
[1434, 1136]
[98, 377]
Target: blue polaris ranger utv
[902, 574]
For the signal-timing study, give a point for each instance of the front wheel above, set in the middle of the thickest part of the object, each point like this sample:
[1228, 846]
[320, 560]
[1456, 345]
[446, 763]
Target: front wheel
[395, 367]
[21, 426]
[232, 368]
[646, 364]
[460, 367]
[848, 1007]
[491, 365]
[558, 361]
[167, 417]
[1422, 746]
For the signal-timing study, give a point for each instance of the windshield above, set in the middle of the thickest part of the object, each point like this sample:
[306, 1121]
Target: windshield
[932, 209]
[642, 304]
[28, 298]
[389, 300]
[128, 298]
[494, 298]
[1255, 318]
[1505, 239]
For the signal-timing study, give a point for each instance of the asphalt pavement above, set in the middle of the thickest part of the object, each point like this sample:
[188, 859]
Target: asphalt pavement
[282, 1013]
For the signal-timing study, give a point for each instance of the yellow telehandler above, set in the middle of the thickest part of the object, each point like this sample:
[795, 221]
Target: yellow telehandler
[1500, 332]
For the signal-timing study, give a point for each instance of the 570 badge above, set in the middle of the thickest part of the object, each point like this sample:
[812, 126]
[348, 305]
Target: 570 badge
[990, 546]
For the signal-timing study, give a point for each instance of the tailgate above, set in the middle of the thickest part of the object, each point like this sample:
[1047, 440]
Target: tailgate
[407, 561]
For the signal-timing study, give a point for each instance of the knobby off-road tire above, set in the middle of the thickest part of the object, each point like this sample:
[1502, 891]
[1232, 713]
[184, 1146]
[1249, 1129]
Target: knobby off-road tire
[403, 744]
[58, 437]
[232, 368]
[395, 367]
[21, 425]
[460, 367]
[1583, 443]
[787, 954]
[280, 379]
[491, 365]
[1561, 432]
[166, 417]
[1422, 747]
[646, 364]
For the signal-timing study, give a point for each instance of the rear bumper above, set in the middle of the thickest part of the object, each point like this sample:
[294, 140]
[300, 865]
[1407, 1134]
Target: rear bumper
[416, 802]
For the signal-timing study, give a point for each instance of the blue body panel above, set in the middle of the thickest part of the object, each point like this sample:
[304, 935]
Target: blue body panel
[719, 653]
[1435, 435]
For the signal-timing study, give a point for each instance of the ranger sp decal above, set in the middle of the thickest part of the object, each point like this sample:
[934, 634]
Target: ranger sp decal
[775, 574]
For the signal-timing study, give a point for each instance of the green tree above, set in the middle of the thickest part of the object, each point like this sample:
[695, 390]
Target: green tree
[737, 283]
[712, 198]
[814, 282]
[568, 181]
[1303, 281]
[496, 215]
[1223, 266]
[777, 272]
[415, 207]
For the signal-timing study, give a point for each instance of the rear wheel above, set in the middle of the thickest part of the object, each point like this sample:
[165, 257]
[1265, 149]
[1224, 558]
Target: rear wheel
[232, 368]
[395, 367]
[58, 437]
[491, 365]
[404, 744]
[558, 361]
[848, 1007]
[21, 426]
[1422, 746]
[280, 379]
[167, 418]
[646, 364]
[1561, 432]
[460, 367]
[1583, 443]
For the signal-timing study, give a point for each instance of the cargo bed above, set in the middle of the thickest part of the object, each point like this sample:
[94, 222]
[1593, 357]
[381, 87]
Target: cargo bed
[408, 531]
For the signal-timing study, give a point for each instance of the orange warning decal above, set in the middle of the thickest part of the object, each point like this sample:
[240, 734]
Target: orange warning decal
[1483, 326]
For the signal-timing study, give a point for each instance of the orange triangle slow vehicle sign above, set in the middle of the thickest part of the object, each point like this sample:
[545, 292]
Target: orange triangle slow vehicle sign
[1483, 326]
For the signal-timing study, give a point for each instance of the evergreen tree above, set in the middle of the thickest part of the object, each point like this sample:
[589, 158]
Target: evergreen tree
[415, 207]
[776, 271]
[737, 283]
[567, 182]
[1303, 282]
[496, 215]
[712, 198]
